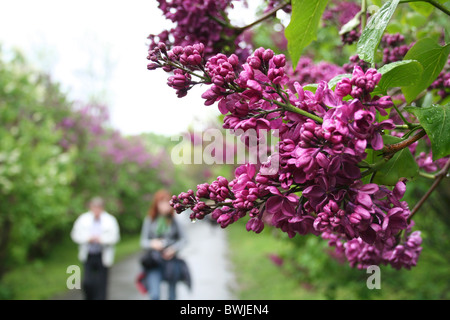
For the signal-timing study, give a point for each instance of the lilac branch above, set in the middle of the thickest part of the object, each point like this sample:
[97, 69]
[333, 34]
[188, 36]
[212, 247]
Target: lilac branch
[264, 17]
[390, 149]
[291, 108]
[438, 178]
[432, 2]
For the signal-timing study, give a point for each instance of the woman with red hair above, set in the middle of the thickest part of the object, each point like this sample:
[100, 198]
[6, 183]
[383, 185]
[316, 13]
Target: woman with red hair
[162, 238]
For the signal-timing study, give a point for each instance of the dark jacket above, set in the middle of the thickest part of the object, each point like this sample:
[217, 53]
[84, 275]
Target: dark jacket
[175, 269]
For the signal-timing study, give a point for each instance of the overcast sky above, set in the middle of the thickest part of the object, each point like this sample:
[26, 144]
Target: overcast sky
[99, 46]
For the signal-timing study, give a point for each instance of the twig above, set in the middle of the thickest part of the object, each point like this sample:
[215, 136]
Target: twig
[291, 108]
[363, 15]
[390, 149]
[432, 2]
[427, 175]
[436, 182]
[402, 117]
[264, 17]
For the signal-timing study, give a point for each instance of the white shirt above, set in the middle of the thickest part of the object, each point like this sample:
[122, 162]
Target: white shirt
[96, 231]
[107, 229]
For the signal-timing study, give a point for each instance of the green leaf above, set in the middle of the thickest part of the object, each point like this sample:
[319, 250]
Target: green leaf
[311, 87]
[376, 2]
[399, 74]
[302, 29]
[401, 165]
[333, 82]
[371, 36]
[352, 24]
[422, 7]
[394, 27]
[433, 58]
[414, 19]
[436, 122]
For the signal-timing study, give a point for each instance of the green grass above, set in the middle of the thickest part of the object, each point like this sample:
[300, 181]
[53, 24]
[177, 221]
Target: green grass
[309, 272]
[45, 278]
[257, 277]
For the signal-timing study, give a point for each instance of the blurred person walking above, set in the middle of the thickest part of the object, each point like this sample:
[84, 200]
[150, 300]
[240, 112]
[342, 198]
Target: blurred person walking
[162, 238]
[96, 232]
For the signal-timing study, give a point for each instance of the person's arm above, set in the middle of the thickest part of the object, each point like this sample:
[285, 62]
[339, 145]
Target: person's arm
[111, 235]
[80, 234]
[180, 242]
[146, 234]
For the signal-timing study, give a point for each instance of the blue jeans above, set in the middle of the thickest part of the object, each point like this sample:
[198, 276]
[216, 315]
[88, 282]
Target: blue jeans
[154, 279]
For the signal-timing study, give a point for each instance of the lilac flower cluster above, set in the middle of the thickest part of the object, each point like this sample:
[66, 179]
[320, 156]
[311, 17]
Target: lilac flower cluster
[425, 159]
[272, 4]
[198, 21]
[391, 242]
[442, 83]
[180, 61]
[338, 14]
[308, 72]
[423, 154]
[355, 61]
[362, 255]
[394, 47]
[324, 135]
[88, 125]
[351, 37]
[88, 119]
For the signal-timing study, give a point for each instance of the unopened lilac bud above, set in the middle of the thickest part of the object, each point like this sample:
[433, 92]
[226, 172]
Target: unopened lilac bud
[171, 55]
[195, 59]
[188, 50]
[218, 80]
[307, 136]
[254, 85]
[177, 50]
[183, 195]
[259, 52]
[279, 60]
[385, 102]
[162, 47]
[224, 220]
[254, 62]
[223, 181]
[261, 179]
[199, 47]
[267, 55]
[202, 190]
[309, 126]
[255, 224]
[234, 60]
[152, 66]
[343, 88]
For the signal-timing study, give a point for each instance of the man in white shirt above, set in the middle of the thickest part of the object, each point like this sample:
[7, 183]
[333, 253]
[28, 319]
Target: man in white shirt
[96, 232]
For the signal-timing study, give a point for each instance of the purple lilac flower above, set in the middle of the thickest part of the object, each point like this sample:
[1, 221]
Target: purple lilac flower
[198, 21]
[318, 187]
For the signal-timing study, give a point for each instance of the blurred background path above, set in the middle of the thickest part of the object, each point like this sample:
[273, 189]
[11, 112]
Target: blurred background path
[206, 254]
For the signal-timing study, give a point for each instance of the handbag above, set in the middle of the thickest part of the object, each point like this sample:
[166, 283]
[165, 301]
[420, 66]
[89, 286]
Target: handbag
[151, 259]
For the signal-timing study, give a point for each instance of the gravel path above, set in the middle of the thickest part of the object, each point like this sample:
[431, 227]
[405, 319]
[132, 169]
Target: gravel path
[206, 254]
